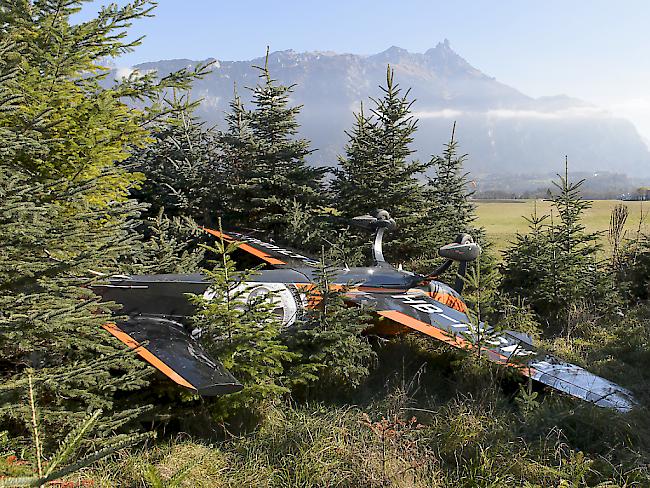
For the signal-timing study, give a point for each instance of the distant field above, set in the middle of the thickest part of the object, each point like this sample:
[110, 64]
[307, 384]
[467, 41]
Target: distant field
[502, 219]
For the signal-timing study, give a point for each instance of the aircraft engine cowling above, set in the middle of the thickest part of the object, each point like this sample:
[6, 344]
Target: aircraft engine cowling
[288, 303]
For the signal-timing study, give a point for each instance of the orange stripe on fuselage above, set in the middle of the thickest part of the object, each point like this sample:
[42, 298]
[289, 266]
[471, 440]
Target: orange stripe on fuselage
[425, 328]
[449, 300]
[147, 355]
[246, 247]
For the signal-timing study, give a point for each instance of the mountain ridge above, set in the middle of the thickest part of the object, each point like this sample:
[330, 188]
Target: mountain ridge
[501, 128]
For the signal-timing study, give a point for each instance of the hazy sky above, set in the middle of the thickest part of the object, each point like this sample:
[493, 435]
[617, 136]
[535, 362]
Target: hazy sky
[596, 50]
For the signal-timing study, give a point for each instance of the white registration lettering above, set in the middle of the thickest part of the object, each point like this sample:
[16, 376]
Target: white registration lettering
[501, 343]
[420, 305]
[273, 247]
[427, 308]
[410, 299]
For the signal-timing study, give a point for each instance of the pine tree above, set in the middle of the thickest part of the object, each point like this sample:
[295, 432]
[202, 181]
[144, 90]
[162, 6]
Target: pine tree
[267, 164]
[239, 328]
[181, 166]
[72, 127]
[69, 457]
[449, 211]
[65, 217]
[50, 320]
[376, 172]
[528, 263]
[448, 193]
[356, 186]
[577, 278]
[237, 145]
[173, 246]
[555, 267]
[333, 353]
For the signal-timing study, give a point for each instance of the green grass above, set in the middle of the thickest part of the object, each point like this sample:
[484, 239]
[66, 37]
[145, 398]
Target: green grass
[465, 443]
[502, 219]
[423, 426]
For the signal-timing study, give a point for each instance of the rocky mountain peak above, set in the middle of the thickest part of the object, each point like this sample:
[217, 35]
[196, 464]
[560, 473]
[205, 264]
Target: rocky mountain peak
[502, 129]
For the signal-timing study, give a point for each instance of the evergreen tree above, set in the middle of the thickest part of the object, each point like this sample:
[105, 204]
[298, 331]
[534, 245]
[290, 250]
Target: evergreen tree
[577, 277]
[333, 352]
[65, 216]
[528, 264]
[239, 328]
[237, 145]
[448, 193]
[71, 127]
[173, 246]
[449, 212]
[69, 456]
[356, 185]
[577, 247]
[267, 164]
[376, 172]
[181, 166]
[49, 319]
[556, 266]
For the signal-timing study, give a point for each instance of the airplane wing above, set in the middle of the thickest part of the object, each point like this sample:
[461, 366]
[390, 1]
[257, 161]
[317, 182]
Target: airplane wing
[277, 256]
[167, 347]
[417, 311]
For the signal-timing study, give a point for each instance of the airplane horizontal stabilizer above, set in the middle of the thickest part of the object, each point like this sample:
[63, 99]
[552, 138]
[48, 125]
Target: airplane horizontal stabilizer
[165, 345]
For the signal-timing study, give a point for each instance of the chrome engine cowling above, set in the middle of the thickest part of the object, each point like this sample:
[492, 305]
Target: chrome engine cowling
[288, 303]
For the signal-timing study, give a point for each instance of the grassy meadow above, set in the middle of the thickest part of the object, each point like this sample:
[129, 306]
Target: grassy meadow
[502, 219]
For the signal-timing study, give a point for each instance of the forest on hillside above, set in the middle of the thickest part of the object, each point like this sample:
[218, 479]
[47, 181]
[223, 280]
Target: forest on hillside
[98, 181]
